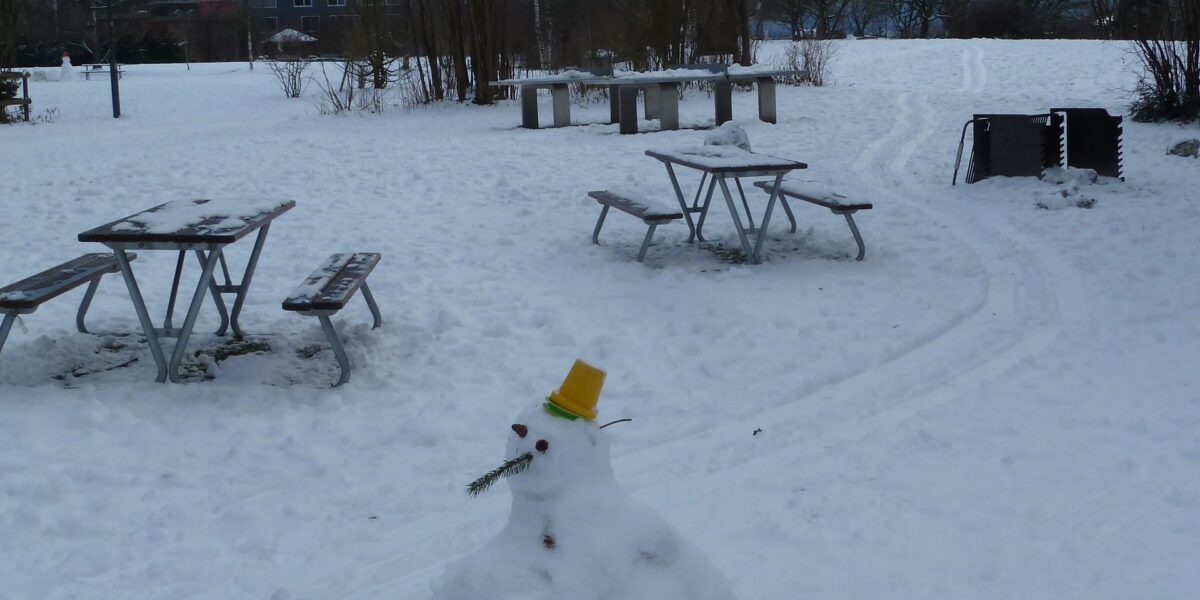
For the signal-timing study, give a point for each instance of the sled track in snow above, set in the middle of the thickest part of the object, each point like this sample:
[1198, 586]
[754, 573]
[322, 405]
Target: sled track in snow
[974, 70]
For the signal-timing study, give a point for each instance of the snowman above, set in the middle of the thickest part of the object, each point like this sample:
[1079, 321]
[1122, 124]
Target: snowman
[67, 73]
[573, 533]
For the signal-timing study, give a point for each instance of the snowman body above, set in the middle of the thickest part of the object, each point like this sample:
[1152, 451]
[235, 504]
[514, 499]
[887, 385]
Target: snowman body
[573, 533]
[67, 72]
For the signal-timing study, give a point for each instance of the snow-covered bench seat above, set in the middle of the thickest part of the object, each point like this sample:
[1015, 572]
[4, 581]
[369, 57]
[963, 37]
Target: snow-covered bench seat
[329, 289]
[820, 195]
[26, 295]
[638, 204]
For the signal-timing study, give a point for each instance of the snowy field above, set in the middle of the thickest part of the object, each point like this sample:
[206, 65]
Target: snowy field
[996, 403]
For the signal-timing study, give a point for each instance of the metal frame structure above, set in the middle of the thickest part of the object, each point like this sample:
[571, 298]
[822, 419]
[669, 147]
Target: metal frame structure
[719, 177]
[209, 252]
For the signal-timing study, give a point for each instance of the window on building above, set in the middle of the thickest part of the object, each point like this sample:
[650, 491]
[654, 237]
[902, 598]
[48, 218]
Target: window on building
[270, 24]
[302, 3]
[310, 25]
[336, 2]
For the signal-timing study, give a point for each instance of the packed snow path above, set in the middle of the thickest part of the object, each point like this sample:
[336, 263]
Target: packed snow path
[999, 402]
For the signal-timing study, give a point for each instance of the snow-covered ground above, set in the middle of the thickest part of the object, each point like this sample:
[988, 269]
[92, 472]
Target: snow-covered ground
[999, 402]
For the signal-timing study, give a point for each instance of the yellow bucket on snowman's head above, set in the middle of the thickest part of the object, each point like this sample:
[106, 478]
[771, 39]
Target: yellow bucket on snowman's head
[579, 392]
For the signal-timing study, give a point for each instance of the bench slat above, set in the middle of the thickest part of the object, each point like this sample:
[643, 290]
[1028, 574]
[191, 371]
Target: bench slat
[640, 207]
[816, 194]
[332, 285]
[32, 291]
[339, 292]
[302, 297]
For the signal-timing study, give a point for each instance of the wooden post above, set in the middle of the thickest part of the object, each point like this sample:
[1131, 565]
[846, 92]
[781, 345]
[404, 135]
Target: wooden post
[25, 94]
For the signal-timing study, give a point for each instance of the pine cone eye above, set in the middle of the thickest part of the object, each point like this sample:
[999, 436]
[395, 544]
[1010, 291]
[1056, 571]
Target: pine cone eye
[521, 430]
[542, 445]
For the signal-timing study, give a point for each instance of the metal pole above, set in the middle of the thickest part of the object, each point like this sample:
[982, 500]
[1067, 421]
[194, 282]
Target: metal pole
[112, 66]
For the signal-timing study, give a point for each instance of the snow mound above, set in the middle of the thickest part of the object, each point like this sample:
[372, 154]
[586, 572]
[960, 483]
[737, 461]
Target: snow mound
[728, 134]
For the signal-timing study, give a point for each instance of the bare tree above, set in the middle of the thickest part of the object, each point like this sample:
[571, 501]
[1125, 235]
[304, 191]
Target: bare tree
[864, 12]
[827, 16]
[1169, 47]
[790, 12]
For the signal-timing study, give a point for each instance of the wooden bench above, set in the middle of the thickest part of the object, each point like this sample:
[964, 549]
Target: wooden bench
[25, 296]
[650, 212]
[24, 100]
[101, 69]
[327, 291]
[817, 194]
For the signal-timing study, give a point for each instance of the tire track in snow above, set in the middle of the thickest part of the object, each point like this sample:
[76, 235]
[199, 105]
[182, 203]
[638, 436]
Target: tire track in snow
[981, 76]
[974, 71]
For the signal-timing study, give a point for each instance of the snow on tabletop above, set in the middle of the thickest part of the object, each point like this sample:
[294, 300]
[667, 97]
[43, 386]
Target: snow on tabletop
[178, 215]
[719, 157]
[667, 73]
[736, 69]
[13, 296]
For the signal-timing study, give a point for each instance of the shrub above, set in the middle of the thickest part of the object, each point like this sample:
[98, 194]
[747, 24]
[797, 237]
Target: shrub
[1169, 88]
[289, 72]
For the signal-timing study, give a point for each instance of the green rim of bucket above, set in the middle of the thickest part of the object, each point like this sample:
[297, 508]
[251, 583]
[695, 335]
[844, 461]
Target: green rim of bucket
[558, 411]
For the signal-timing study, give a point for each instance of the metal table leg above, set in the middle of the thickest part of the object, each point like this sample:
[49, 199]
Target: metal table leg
[139, 306]
[787, 210]
[185, 332]
[215, 290]
[745, 202]
[683, 207]
[712, 187]
[766, 220]
[244, 287]
[737, 219]
[6, 327]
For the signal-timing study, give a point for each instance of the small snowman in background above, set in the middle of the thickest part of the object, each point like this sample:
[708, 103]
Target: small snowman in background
[67, 72]
[573, 533]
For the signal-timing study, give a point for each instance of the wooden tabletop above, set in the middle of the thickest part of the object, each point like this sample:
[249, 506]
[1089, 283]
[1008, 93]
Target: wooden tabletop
[725, 159]
[190, 222]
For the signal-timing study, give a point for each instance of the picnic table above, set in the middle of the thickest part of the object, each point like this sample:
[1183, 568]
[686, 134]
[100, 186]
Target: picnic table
[719, 164]
[660, 88]
[90, 69]
[204, 227]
